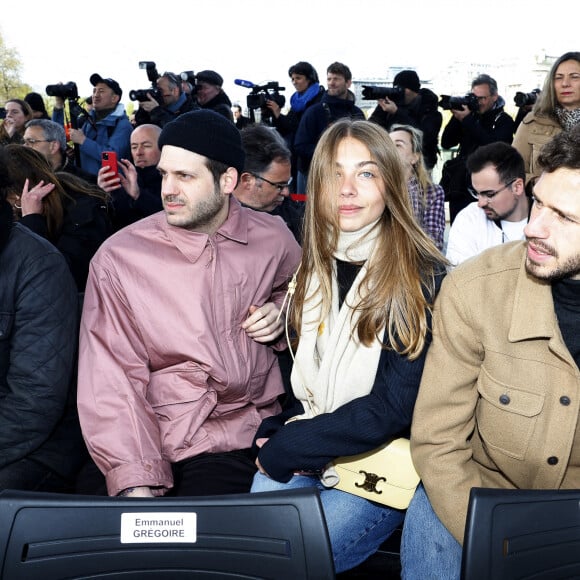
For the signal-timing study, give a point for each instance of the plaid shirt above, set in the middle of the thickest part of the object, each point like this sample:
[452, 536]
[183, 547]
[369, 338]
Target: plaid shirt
[429, 212]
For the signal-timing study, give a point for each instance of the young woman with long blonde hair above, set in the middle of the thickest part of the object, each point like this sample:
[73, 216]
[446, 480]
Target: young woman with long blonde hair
[361, 314]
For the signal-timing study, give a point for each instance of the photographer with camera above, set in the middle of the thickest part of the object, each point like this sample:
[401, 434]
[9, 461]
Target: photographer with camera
[412, 106]
[107, 127]
[337, 102]
[557, 109]
[480, 120]
[164, 104]
[210, 95]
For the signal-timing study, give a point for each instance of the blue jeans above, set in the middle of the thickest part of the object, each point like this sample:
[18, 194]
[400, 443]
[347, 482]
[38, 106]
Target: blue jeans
[356, 526]
[428, 550]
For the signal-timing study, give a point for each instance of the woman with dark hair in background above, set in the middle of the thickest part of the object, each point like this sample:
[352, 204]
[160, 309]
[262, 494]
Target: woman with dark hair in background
[18, 113]
[557, 109]
[63, 208]
[308, 92]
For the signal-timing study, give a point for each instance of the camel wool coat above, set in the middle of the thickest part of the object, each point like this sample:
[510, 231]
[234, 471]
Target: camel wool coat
[500, 394]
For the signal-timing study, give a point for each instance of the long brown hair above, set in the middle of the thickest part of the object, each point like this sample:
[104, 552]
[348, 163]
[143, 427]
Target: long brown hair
[404, 260]
[26, 163]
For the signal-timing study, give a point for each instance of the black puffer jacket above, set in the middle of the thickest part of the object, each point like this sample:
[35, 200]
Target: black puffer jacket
[38, 344]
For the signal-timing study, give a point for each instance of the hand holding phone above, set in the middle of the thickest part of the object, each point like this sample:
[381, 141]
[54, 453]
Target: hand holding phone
[109, 160]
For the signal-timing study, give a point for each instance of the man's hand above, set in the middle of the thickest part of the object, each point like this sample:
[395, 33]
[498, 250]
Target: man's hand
[137, 492]
[149, 104]
[31, 200]
[107, 180]
[274, 107]
[77, 136]
[388, 106]
[128, 176]
[460, 115]
[263, 324]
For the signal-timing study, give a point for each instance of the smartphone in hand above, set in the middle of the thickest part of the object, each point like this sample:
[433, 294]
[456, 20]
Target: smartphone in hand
[109, 160]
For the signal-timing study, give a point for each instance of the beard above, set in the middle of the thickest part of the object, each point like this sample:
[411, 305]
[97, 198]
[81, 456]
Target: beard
[199, 216]
[557, 270]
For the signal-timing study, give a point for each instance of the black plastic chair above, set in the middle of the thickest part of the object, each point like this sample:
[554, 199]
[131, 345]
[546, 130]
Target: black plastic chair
[522, 534]
[277, 535]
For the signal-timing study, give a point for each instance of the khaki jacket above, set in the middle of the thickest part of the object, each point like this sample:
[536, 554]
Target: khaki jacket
[498, 403]
[532, 134]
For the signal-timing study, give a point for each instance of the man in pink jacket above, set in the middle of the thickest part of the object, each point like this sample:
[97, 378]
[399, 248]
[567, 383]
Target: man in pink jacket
[177, 365]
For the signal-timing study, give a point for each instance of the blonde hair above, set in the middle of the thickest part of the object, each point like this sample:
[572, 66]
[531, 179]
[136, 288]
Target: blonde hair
[419, 169]
[404, 260]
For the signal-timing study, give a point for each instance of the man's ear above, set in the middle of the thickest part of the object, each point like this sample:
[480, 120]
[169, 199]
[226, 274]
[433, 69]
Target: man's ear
[519, 187]
[246, 180]
[54, 148]
[229, 180]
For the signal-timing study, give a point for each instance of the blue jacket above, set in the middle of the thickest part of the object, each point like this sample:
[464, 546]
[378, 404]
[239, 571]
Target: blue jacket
[109, 134]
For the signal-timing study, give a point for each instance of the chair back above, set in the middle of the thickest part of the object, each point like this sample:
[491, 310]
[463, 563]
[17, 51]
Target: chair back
[279, 535]
[522, 534]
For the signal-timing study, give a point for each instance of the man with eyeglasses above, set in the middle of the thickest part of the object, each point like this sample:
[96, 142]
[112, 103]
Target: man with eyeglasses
[49, 138]
[498, 405]
[470, 129]
[173, 102]
[501, 211]
[266, 178]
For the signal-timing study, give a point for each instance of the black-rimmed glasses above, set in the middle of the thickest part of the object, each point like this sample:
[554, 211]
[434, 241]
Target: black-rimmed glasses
[279, 186]
[489, 194]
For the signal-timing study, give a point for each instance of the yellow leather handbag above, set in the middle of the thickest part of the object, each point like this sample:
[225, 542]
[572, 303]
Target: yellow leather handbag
[385, 475]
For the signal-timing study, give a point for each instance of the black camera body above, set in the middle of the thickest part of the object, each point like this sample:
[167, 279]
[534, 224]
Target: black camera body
[457, 103]
[261, 94]
[374, 93]
[525, 99]
[2, 113]
[64, 91]
[141, 95]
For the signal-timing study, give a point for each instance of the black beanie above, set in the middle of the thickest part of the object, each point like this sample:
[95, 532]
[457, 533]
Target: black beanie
[408, 79]
[206, 133]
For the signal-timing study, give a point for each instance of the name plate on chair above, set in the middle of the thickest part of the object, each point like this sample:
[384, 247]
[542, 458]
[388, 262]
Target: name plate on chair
[158, 527]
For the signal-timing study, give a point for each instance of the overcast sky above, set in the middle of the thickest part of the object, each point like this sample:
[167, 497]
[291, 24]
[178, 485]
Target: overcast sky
[258, 41]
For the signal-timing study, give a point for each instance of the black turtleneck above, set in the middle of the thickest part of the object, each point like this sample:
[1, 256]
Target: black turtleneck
[346, 272]
[566, 295]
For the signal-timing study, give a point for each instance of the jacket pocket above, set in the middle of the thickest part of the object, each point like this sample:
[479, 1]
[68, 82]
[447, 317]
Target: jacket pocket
[182, 401]
[507, 416]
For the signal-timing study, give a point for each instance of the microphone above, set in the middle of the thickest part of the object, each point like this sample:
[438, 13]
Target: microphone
[243, 83]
